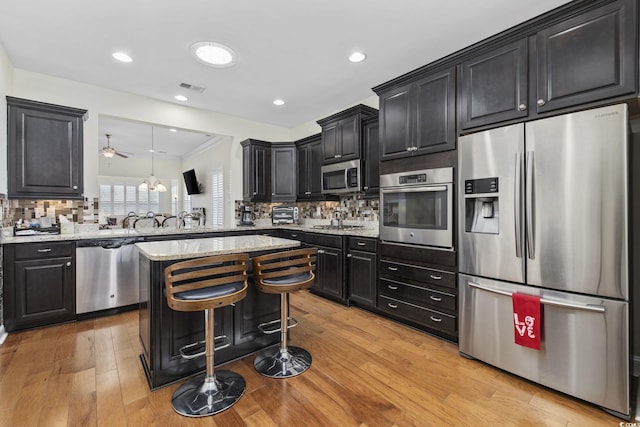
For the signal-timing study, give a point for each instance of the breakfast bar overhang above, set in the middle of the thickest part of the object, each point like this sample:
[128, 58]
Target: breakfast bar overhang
[164, 331]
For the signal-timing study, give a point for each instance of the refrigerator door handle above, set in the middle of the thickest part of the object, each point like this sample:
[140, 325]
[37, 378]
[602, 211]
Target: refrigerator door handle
[561, 304]
[517, 204]
[530, 209]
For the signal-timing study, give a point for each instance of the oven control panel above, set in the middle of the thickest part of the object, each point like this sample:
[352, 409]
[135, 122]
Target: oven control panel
[418, 178]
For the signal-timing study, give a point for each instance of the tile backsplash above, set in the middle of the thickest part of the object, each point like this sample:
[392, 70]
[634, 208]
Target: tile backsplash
[350, 208]
[78, 211]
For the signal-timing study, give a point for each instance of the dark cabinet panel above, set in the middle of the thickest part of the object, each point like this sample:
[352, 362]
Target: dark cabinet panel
[341, 134]
[45, 145]
[371, 156]
[283, 173]
[40, 287]
[363, 271]
[494, 86]
[330, 277]
[587, 58]
[419, 117]
[256, 171]
[309, 168]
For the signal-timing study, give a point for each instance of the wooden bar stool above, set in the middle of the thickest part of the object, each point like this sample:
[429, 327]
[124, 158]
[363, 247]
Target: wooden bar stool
[282, 273]
[205, 284]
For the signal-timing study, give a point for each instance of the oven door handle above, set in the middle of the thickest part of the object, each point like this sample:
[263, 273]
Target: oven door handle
[414, 189]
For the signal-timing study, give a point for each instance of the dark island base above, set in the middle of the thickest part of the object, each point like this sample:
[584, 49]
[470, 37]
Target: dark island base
[163, 331]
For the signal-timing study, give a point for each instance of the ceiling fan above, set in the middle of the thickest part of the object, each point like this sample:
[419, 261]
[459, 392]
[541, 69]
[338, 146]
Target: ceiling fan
[109, 151]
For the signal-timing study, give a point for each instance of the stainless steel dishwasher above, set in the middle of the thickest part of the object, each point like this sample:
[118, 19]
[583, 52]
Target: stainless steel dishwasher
[106, 274]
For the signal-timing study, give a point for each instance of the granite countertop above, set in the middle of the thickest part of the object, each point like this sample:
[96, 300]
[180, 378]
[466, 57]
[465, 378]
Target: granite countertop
[194, 248]
[94, 233]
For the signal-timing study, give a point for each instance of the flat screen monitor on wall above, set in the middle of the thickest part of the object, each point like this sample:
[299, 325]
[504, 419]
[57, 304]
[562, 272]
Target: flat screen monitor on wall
[191, 182]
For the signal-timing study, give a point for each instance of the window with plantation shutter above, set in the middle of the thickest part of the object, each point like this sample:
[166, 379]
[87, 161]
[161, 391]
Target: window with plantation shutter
[217, 195]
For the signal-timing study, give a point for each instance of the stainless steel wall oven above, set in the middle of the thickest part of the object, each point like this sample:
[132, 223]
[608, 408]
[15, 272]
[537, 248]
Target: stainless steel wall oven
[417, 208]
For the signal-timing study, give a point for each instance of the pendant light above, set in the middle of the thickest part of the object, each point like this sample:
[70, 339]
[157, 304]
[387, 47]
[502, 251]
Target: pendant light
[152, 183]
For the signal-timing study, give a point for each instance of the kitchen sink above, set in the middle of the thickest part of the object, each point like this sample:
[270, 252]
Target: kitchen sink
[338, 227]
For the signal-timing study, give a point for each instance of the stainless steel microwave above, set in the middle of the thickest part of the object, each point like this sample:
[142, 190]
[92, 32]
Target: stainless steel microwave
[341, 177]
[417, 208]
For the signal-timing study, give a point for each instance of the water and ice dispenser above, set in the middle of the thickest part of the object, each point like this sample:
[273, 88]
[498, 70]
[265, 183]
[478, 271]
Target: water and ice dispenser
[482, 214]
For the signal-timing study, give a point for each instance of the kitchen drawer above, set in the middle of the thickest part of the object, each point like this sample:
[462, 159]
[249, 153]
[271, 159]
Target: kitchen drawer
[422, 315]
[292, 234]
[43, 250]
[418, 273]
[362, 244]
[421, 295]
[331, 241]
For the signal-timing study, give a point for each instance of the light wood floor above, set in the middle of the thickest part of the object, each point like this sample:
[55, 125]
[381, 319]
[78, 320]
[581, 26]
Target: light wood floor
[366, 371]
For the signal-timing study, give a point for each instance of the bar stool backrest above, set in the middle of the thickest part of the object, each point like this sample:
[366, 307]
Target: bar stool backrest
[207, 272]
[285, 271]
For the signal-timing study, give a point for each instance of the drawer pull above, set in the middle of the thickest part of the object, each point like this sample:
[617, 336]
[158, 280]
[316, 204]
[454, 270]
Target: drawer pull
[44, 250]
[435, 277]
[392, 306]
[362, 244]
[393, 288]
[393, 268]
[294, 235]
[435, 319]
[435, 298]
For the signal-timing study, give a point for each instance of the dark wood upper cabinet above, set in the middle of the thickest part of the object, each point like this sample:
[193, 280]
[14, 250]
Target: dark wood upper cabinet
[256, 171]
[584, 59]
[371, 156]
[44, 148]
[341, 134]
[587, 58]
[309, 165]
[419, 117]
[494, 86]
[283, 172]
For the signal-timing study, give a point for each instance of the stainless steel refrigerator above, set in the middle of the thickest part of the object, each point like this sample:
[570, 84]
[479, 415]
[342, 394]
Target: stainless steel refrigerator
[543, 211]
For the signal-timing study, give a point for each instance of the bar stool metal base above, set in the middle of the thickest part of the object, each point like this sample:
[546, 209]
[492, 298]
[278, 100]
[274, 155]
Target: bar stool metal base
[197, 398]
[282, 363]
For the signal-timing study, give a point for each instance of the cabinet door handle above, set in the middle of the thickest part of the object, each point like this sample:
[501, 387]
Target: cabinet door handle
[409, 148]
[365, 188]
[393, 288]
[254, 193]
[393, 268]
[362, 244]
[435, 319]
[349, 255]
[541, 102]
[392, 306]
[320, 251]
[337, 156]
[522, 107]
[436, 299]
[44, 250]
[435, 277]
[75, 187]
[307, 192]
[294, 235]
[68, 263]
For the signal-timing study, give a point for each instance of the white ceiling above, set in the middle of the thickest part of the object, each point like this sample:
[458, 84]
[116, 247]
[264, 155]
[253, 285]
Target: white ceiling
[290, 49]
[134, 139]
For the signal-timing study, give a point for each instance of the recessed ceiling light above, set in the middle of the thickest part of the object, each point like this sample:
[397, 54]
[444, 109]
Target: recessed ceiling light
[357, 57]
[172, 130]
[278, 102]
[122, 57]
[181, 98]
[213, 54]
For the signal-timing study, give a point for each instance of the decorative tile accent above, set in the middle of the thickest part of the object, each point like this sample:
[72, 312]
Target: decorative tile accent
[80, 211]
[351, 208]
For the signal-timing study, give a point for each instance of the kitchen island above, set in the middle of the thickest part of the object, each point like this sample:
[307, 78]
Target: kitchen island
[163, 331]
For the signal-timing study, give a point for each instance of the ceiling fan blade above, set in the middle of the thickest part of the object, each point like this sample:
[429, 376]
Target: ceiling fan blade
[121, 155]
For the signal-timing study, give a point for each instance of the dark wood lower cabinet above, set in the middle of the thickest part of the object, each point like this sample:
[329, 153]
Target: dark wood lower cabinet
[330, 266]
[40, 287]
[418, 292]
[362, 262]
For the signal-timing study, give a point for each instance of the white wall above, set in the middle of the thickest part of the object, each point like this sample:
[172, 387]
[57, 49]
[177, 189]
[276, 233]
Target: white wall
[6, 88]
[99, 101]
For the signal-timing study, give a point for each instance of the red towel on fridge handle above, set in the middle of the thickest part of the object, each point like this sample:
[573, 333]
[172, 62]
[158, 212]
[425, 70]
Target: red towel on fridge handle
[527, 320]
